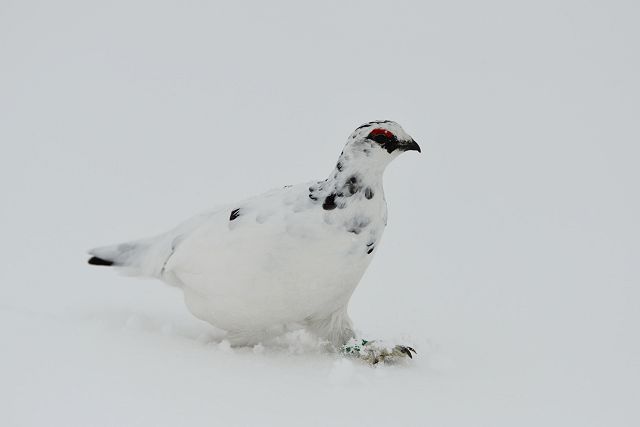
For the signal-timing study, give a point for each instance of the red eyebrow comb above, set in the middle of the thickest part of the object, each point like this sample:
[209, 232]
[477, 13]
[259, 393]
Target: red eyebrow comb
[380, 131]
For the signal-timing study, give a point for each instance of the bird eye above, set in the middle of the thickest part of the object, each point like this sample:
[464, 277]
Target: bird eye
[381, 136]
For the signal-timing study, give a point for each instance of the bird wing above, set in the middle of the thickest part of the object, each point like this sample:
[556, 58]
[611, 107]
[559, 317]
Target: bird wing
[252, 232]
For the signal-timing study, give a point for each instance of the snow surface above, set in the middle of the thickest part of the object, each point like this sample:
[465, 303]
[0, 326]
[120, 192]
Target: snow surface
[511, 257]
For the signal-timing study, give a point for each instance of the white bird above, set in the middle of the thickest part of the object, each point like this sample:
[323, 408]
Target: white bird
[290, 257]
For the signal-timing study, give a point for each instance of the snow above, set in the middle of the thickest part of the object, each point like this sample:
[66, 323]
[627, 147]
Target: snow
[510, 262]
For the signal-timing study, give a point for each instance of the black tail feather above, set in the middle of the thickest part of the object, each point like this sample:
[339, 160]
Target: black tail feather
[94, 260]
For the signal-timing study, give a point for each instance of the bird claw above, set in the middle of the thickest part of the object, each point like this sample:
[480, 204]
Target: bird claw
[405, 350]
[374, 353]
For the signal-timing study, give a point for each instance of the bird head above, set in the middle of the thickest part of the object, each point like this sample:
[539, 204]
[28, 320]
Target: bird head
[377, 143]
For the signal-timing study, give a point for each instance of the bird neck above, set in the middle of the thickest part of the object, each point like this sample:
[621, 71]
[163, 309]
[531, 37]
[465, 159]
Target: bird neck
[355, 182]
[354, 170]
[352, 181]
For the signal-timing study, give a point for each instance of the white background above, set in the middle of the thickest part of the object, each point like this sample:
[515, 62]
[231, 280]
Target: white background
[511, 256]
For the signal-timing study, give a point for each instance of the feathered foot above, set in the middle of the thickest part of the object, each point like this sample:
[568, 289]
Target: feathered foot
[374, 352]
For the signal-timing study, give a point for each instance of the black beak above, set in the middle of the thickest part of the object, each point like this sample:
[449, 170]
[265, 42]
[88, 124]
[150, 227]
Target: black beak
[410, 146]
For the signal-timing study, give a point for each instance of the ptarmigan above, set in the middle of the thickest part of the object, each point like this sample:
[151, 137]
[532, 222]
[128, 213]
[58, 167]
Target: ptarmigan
[287, 258]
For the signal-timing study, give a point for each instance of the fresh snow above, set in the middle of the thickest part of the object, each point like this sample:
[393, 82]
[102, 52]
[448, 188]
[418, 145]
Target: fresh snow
[510, 261]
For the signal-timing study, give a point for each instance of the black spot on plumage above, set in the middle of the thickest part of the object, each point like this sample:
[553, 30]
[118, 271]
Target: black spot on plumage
[329, 202]
[234, 214]
[368, 193]
[312, 197]
[370, 247]
[375, 122]
[94, 260]
[339, 166]
[352, 186]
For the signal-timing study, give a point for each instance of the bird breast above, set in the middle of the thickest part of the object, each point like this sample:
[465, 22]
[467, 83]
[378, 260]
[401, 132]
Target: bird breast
[275, 259]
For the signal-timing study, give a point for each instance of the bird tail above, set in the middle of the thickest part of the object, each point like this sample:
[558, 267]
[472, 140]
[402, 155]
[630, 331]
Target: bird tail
[138, 258]
[146, 257]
